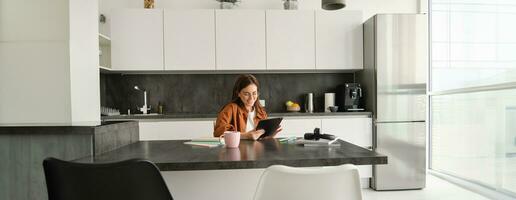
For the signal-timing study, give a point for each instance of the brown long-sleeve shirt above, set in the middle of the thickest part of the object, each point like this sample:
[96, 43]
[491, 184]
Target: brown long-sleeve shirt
[234, 118]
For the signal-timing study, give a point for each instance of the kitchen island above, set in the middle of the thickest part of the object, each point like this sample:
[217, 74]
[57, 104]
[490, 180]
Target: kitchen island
[193, 172]
[173, 155]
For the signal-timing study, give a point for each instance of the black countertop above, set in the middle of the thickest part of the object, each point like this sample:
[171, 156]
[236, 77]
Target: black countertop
[213, 116]
[173, 155]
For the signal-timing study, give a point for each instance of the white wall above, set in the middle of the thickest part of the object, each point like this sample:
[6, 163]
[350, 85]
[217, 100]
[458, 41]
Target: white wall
[368, 7]
[40, 57]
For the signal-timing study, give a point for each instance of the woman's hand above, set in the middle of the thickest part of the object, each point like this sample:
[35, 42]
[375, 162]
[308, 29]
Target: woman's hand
[274, 134]
[254, 134]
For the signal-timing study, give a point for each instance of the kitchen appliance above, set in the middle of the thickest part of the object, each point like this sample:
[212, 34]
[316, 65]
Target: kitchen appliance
[394, 82]
[309, 103]
[329, 101]
[349, 97]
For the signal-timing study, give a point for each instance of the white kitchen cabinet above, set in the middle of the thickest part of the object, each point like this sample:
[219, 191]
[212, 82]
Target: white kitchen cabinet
[339, 43]
[189, 37]
[175, 130]
[240, 39]
[356, 130]
[290, 39]
[137, 39]
[298, 127]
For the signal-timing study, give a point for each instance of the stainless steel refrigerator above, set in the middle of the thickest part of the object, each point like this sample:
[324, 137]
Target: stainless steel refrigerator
[394, 83]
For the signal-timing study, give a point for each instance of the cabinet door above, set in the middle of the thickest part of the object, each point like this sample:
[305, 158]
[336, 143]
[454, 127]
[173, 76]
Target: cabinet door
[189, 39]
[356, 130]
[290, 39]
[240, 38]
[298, 127]
[175, 130]
[137, 39]
[339, 42]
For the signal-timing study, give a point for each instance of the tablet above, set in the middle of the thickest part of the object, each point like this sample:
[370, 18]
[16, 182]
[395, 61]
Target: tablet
[269, 126]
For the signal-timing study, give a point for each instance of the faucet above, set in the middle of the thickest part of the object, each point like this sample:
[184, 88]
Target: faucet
[144, 108]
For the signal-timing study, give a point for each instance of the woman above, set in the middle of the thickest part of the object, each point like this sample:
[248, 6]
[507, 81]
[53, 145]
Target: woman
[243, 112]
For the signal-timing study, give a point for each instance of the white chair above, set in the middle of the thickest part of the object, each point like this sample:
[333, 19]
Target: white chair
[280, 182]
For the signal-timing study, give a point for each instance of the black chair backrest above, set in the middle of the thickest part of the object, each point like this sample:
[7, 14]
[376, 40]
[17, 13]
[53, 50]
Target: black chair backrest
[126, 180]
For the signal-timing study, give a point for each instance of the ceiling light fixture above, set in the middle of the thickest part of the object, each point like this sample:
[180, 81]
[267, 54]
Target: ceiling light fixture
[333, 4]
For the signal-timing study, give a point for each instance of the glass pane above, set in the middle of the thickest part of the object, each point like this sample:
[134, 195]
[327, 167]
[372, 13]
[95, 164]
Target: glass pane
[473, 43]
[474, 137]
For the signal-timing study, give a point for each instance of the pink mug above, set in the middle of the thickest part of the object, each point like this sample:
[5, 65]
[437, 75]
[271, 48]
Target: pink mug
[231, 138]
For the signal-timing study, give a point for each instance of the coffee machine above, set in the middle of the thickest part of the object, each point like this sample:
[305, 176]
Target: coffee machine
[349, 97]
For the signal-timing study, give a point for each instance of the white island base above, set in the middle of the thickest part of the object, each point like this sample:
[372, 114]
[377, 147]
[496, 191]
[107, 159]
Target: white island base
[234, 184]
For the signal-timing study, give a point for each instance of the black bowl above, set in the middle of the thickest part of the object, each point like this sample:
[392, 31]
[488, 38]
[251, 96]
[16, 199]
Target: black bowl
[333, 108]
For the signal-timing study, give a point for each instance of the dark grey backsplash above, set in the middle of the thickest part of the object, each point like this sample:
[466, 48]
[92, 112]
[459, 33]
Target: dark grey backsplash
[207, 93]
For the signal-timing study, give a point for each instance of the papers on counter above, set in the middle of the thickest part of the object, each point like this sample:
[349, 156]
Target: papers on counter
[206, 139]
[205, 142]
[320, 142]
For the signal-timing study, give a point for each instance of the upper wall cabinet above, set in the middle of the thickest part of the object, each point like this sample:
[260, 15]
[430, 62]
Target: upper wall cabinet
[189, 39]
[290, 39]
[240, 37]
[137, 39]
[339, 43]
[242, 40]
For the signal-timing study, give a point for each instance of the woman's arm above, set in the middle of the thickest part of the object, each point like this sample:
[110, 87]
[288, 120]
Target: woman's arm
[223, 122]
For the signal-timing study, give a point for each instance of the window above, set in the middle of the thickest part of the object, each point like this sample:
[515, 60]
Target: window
[473, 91]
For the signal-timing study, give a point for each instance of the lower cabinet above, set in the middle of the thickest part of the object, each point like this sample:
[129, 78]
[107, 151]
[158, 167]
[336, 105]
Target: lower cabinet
[298, 127]
[175, 130]
[356, 130]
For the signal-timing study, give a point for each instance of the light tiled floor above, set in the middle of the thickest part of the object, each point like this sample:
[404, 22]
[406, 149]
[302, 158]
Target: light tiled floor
[499, 172]
[436, 189]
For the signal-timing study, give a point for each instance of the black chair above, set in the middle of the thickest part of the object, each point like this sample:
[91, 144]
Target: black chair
[126, 180]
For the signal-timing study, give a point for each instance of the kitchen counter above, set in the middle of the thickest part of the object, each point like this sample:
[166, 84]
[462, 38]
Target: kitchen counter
[194, 117]
[173, 155]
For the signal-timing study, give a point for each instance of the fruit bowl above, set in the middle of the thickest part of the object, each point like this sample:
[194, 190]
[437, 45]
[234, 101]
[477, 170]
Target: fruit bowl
[293, 108]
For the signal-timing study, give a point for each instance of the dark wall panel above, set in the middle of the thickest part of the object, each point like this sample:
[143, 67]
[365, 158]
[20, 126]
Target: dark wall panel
[206, 93]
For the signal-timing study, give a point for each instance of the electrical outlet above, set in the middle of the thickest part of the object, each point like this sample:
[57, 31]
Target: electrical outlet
[262, 102]
[514, 141]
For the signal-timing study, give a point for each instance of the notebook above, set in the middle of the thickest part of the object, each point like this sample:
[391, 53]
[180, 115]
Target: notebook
[205, 142]
[206, 139]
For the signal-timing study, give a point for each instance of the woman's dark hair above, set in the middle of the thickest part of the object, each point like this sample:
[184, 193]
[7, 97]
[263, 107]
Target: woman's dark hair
[242, 82]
